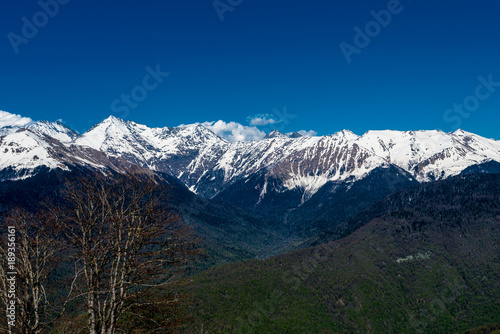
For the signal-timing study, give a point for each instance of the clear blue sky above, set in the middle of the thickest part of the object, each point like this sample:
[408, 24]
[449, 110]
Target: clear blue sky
[265, 54]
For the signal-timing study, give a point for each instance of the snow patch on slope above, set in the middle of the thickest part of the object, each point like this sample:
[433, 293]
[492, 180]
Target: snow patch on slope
[25, 150]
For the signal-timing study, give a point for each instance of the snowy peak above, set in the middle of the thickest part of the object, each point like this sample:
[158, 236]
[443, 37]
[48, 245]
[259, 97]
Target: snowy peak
[55, 130]
[461, 132]
[117, 136]
[111, 131]
[346, 134]
[25, 150]
[182, 151]
[197, 134]
[6, 130]
[278, 134]
[275, 134]
[430, 155]
[294, 135]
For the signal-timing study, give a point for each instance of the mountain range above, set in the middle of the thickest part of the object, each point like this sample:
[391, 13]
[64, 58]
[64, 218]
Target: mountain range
[277, 166]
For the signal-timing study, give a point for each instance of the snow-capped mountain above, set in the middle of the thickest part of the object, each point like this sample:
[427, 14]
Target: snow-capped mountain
[25, 151]
[56, 130]
[304, 162]
[431, 155]
[209, 164]
[185, 152]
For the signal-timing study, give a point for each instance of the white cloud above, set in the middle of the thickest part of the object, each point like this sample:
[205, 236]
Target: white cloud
[310, 133]
[233, 131]
[7, 119]
[261, 120]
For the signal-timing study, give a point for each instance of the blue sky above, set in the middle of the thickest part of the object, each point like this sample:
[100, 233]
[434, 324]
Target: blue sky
[278, 61]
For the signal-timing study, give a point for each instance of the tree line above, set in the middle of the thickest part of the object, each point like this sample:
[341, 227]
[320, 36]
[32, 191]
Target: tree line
[106, 254]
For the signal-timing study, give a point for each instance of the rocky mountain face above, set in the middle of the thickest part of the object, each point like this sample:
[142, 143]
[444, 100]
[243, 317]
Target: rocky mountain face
[280, 170]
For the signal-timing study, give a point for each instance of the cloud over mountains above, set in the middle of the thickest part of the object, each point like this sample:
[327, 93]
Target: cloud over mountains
[233, 131]
[8, 119]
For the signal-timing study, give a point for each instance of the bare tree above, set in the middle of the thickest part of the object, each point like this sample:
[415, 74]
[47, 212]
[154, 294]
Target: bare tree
[32, 255]
[128, 241]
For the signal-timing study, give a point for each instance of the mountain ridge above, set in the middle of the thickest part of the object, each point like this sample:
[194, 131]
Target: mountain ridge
[208, 164]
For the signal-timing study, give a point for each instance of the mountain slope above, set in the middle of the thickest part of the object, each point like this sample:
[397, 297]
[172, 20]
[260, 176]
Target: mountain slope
[431, 155]
[430, 263]
[25, 152]
[319, 220]
[227, 233]
[304, 163]
[56, 130]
